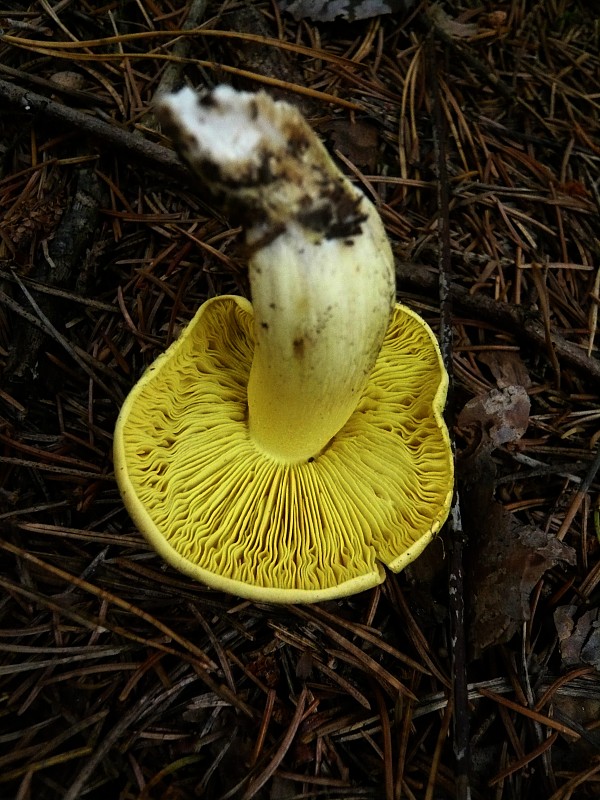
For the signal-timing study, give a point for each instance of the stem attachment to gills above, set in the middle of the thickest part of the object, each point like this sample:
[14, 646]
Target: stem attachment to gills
[321, 267]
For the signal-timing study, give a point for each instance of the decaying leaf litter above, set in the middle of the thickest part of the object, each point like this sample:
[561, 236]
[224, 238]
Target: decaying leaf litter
[122, 678]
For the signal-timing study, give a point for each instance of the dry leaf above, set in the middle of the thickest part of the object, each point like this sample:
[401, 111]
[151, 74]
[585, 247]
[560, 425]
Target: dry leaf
[349, 10]
[577, 704]
[502, 415]
[357, 141]
[68, 80]
[451, 27]
[507, 367]
[507, 560]
[496, 19]
[579, 640]
[282, 789]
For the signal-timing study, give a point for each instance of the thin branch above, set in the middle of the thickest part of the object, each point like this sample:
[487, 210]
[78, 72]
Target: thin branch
[456, 603]
[524, 323]
[109, 134]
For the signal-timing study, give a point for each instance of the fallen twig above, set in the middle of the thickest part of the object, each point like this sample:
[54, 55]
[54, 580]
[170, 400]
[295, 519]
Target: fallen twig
[110, 135]
[456, 602]
[523, 323]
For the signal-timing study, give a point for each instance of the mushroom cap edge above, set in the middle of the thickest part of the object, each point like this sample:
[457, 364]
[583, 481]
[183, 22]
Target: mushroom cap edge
[258, 593]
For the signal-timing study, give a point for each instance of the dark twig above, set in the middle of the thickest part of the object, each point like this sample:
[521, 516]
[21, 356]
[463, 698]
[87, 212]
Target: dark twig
[65, 257]
[44, 324]
[580, 494]
[260, 780]
[110, 135]
[201, 658]
[148, 705]
[524, 323]
[466, 55]
[456, 604]
[172, 72]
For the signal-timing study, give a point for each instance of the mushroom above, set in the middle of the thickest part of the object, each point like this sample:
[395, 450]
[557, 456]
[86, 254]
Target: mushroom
[286, 450]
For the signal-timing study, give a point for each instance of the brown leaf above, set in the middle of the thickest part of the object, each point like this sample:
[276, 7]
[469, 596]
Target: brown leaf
[68, 80]
[502, 415]
[282, 789]
[266, 668]
[451, 27]
[579, 640]
[349, 10]
[495, 19]
[506, 562]
[507, 367]
[506, 557]
[357, 141]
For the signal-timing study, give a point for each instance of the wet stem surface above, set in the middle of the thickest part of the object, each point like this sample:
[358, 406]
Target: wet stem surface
[121, 678]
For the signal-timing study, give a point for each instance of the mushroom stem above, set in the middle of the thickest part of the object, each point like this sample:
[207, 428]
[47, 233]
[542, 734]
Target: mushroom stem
[321, 267]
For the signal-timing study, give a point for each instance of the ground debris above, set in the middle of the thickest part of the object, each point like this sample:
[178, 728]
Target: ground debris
[578, 636]
[507, 561]
[121, 678]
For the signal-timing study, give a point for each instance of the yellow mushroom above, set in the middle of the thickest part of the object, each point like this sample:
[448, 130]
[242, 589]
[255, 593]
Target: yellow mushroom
[284, 450]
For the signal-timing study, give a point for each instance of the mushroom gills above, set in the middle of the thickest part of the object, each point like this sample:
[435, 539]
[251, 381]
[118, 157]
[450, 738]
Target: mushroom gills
[284, 450]
[321, 267]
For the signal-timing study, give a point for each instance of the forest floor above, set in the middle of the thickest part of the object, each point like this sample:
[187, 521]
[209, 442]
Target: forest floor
[476, 129]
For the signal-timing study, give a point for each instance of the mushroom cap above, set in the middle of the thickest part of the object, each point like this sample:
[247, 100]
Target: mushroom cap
[223, 512]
